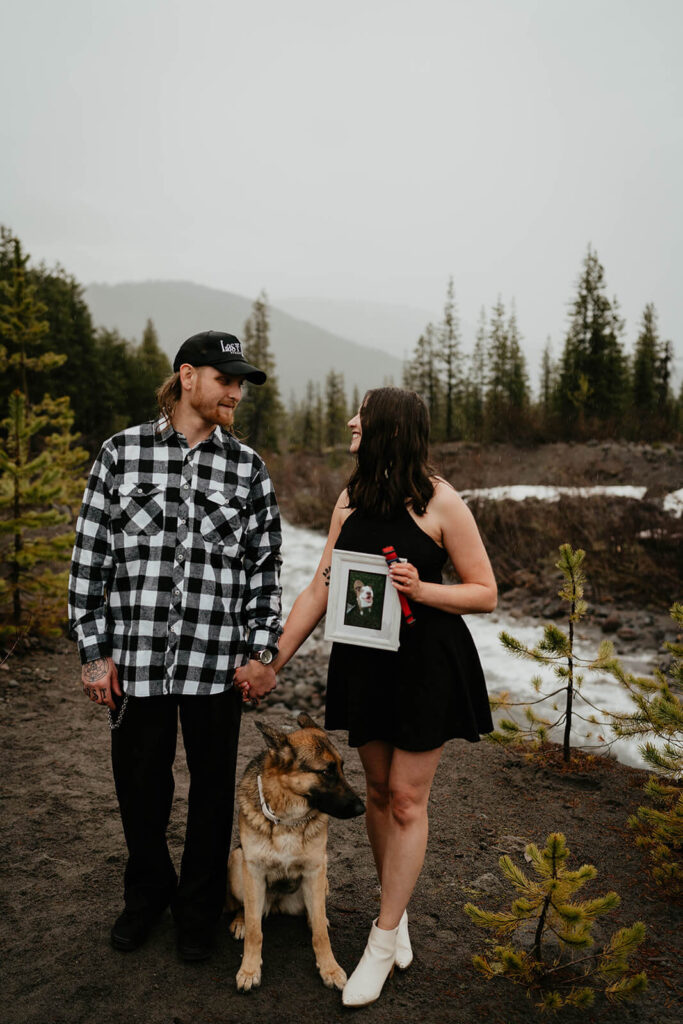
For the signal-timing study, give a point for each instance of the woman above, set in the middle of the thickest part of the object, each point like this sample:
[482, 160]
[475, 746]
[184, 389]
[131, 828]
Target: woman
[400, 707]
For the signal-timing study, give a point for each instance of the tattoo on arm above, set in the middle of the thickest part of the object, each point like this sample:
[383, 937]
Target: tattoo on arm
[326, 575]
[95, 670]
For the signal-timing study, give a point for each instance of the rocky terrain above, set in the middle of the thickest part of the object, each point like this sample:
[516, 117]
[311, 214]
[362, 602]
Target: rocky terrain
[62, 852]
[62, 856]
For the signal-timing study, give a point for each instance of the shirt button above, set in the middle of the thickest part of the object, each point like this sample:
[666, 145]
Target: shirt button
[186, 487]
[176, 592]
[181, 556]
[181, 522]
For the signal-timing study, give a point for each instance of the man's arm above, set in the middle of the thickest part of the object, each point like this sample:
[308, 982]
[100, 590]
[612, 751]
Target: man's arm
[91, 570]
[262, 604]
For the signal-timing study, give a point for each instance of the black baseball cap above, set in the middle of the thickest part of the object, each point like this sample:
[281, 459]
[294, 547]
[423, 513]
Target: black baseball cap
[215, 348]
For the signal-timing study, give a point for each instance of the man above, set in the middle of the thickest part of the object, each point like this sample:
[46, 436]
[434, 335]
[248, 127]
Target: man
[174, 584]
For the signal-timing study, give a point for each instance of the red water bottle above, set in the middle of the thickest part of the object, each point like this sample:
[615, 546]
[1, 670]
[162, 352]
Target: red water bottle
[391, 557]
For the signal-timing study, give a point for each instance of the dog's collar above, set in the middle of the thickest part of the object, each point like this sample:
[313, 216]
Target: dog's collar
[271, 816]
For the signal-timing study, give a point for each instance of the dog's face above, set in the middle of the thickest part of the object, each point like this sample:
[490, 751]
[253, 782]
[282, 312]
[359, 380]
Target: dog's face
[365, 597]
[308, 764]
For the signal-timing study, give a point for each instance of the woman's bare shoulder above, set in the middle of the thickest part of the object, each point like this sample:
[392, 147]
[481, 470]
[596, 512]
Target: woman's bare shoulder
[342, 509]
[445, 493]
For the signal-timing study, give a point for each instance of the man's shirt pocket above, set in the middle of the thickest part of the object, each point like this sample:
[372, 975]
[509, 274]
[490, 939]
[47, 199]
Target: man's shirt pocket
[222, 520]
[141, 508]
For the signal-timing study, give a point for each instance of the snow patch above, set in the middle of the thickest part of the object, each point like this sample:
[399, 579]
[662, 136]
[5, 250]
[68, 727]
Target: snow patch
[522, 492]
[673, 503]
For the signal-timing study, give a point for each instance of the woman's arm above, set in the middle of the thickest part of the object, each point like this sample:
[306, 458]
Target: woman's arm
[310, 605]
[477, 591]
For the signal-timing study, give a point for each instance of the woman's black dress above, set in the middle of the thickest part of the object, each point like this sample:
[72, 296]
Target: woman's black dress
[432, 688]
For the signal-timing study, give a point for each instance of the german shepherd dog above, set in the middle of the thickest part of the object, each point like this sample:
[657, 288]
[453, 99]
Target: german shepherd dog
[280, 866]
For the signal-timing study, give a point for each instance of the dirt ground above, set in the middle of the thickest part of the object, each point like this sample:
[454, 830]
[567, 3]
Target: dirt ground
[63, 855]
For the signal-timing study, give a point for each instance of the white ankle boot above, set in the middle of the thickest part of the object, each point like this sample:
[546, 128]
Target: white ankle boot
[375, 966]
[404, 951]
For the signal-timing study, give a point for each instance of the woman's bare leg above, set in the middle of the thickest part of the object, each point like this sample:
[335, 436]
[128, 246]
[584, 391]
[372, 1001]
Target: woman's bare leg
[376, 761]
[398, 787]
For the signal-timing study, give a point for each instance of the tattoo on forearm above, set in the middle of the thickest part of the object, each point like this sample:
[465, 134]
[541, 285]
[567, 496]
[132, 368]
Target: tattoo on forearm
[326, 575]
[95, 670]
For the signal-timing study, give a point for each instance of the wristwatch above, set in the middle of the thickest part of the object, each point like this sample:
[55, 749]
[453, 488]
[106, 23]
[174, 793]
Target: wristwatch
[265, 656]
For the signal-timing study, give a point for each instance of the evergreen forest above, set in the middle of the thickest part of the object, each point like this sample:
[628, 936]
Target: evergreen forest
[67, 384]
[593, 388]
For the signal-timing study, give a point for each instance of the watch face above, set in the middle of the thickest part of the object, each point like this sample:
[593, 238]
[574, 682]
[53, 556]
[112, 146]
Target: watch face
[265, 657]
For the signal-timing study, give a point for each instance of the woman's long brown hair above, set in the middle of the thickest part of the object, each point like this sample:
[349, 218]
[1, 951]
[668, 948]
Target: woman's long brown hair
[392, 462]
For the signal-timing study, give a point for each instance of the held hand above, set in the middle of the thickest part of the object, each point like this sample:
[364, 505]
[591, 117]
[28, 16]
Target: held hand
[255, 680]
[100, 681]
[406, 579]
[241, 682]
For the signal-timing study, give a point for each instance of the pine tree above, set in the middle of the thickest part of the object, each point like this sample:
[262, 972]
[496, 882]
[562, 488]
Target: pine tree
[593, 382]
[37, 495]
[260, 414]
[115, 358]
[150, 367]
[449, 355]
[495, 406]
[23, 325]
[355, 402]
[548, 901]
[547, 386]
[421, 374]
[475, 387]
[652, 399]
[310, 442]
[335, 409]
[516, 381]
[318, 419]
[38, 464]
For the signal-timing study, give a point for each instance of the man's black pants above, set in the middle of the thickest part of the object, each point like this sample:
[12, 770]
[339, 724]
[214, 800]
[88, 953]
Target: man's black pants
[143, 751]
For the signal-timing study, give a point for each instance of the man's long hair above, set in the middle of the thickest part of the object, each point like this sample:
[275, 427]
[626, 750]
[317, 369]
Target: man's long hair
[392, 462]
[168, 396]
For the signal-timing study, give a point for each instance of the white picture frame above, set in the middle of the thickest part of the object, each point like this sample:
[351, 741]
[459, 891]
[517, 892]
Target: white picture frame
[350, 618]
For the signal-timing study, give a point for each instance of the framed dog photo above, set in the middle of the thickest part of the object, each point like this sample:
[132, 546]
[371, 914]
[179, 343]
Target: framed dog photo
[363, 607]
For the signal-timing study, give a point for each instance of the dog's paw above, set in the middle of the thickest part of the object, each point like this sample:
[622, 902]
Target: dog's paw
[247, 979]
[237, 928]
[333, 976]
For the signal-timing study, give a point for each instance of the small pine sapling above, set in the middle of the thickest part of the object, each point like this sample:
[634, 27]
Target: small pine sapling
[557, 650]
[554, 958]
[658, 719]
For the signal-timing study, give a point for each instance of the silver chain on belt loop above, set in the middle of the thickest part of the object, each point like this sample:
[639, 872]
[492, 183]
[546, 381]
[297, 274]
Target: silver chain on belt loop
[114, 723]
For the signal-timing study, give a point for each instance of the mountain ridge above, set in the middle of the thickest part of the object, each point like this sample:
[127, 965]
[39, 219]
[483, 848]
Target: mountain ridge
[303, 351]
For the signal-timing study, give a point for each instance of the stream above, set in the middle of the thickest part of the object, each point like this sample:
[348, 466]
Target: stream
[301, 551]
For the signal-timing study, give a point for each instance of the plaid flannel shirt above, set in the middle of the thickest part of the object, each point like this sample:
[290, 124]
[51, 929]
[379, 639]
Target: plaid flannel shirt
[175, 570]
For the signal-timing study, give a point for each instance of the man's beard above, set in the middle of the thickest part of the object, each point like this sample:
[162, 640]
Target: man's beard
[222, 414]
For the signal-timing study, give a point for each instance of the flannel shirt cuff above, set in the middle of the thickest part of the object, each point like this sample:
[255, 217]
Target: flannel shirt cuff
[91, 648]
[262, 639]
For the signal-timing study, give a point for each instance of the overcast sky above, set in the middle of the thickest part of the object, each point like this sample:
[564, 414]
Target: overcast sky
[365, 149]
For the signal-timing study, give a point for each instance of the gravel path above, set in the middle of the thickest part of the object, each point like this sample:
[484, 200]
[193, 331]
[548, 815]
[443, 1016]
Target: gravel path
[63, 854]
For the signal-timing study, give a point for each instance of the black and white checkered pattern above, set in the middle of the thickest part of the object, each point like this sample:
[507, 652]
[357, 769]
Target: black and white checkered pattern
[175, 570]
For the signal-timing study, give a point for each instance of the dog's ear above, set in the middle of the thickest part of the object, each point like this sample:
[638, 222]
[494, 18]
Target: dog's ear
[275, 738]
[306, 722]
